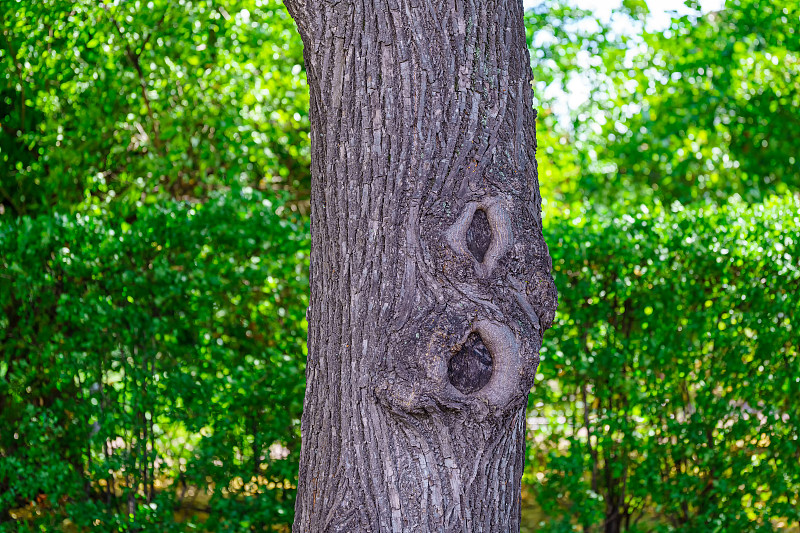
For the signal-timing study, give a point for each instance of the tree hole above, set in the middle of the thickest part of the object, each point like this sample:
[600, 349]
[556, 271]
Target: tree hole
[470, 368]
[479, 235]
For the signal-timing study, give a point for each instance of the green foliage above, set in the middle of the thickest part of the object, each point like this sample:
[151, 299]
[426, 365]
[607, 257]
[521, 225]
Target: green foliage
[151, 350]
[146, 358]
[675, 323]
[671, 376]
[706, 109]
[145, 100]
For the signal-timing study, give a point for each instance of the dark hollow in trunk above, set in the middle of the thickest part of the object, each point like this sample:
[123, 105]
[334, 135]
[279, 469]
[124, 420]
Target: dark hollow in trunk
[430, 278]
[479, 235]
[470, 368]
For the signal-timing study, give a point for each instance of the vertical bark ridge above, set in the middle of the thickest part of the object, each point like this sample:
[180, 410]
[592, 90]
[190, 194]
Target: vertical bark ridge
[420, 111]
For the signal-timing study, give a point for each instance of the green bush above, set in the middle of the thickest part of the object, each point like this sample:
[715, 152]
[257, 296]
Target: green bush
[703, 109]
[116, 102]
[668, 398]
[147, 360]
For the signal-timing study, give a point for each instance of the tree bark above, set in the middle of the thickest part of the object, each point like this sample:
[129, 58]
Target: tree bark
[430, 278]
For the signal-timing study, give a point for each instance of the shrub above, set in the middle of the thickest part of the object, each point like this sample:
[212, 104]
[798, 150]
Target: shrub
[668, 399]
[151, 360]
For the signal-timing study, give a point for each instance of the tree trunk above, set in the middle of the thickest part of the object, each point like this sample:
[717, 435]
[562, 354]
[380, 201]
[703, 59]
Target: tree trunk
[430, 279]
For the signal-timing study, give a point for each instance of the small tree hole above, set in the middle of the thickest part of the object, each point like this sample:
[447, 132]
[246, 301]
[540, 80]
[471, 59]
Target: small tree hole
[470, 369]
[479, 235]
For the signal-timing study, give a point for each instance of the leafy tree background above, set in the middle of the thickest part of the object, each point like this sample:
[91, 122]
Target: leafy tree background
[153, 267]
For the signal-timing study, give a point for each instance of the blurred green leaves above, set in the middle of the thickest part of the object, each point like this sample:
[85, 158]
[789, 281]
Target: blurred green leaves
[667, 386]
[706, 109]
[145, 100]
[144, 358]
[670, 378]
[153, 278]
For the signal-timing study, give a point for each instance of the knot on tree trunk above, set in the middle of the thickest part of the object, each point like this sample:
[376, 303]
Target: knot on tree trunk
[483, 233]
[470, 369]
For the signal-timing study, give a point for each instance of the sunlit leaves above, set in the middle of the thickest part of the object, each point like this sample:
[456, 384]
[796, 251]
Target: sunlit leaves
[703, 110]
[166, 349]
[138, 101]
[671, 372]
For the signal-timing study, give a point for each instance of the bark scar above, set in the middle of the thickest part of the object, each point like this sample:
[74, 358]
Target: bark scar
[502, 236]
[507, 362]
[522, 300]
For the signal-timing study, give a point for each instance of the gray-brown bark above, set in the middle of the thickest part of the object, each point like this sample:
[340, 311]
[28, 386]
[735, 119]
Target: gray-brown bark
[430, 279]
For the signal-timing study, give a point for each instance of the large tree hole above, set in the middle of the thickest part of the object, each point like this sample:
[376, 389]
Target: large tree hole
[479, 235]
[470, 368]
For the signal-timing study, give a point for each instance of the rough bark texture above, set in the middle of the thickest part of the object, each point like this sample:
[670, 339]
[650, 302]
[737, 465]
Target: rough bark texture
[430, 279]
